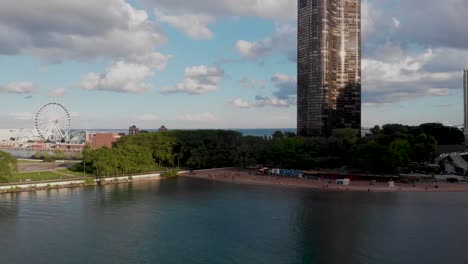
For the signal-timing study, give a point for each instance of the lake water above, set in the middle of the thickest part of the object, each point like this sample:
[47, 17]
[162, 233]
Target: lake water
[258, 132]
[195, 221]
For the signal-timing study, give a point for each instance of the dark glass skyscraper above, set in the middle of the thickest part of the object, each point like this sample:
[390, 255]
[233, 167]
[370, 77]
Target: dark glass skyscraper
[329, 66]
[465, 92]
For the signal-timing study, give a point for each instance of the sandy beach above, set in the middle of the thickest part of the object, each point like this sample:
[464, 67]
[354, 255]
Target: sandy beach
[249, 177]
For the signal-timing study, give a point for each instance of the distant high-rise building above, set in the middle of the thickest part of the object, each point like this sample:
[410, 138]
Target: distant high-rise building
[465, 90]
[329, 66]
[133, 130]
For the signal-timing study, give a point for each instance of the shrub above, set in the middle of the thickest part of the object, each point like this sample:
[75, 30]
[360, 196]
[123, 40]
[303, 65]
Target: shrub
[89, 181]
[170, 173]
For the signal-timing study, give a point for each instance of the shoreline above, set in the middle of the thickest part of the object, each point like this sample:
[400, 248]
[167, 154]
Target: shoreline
[230, 175]
[76, 183]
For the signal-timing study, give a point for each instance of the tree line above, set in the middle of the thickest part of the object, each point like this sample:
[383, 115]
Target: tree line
[8, 166]
[384, 150]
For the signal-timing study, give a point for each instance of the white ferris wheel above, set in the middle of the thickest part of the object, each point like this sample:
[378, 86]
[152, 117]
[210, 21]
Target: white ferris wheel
[53, 122]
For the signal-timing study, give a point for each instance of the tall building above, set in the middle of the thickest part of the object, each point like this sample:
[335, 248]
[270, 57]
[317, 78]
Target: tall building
[329, 66]
[465, 89]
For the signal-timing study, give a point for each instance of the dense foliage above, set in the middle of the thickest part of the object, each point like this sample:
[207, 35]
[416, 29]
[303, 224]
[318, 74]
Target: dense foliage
[383, 151]
[57, 154]
[8, 165]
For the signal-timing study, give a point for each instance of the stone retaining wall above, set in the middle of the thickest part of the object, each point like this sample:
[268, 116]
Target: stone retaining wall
[30, 186]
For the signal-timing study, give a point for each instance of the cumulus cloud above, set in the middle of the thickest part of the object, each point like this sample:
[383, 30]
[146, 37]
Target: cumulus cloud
[240, 103]
[119, 77]
[130, 76]
[252, 84]
[371, 18]
[194, 26]
[408, 57]
[18, 88]
[58, 92]
[269, 9]
[287, 85]
[263, 101]
[283, 96]
[437, 24]
[153, 60]
[438, 91]
[405, 77]
[202, 117]
[198, 80]
[283, 41]
[274, 102]
[76, 29]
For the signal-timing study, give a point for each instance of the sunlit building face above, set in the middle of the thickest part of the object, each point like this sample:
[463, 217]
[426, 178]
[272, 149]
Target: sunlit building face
[329, 66]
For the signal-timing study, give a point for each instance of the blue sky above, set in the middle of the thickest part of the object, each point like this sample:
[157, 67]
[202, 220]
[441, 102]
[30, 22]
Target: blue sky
[217, 63]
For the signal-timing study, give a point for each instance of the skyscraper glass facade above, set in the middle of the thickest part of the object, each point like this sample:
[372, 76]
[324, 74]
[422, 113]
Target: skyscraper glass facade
[465, 90]
[329, 66]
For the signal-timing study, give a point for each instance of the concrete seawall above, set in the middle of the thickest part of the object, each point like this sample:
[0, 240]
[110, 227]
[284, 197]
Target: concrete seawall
[31, 186]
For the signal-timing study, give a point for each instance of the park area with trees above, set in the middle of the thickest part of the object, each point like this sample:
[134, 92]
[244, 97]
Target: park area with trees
[385, 150]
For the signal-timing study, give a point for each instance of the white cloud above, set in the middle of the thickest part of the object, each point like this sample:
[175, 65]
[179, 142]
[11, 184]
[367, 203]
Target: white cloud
[129, 76]
[261, 101]
[21, 115]
[395, 23]
[202, 117]
[439, 24]
[239, 103]
[287, 85]
[252, 84]
[283, 41]
[119, 77]
[153, 60]
[76, 29]
[253, 50]
[284, 96]
[18, 88]
[269, 9]
[194, 26]
[58, 92]
[402, 77]
[438, 92]
[198, 80]
[274, 102]
[370, 19]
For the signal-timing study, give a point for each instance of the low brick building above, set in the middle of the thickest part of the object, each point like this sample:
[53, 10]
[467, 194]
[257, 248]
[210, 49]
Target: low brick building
[99, 140]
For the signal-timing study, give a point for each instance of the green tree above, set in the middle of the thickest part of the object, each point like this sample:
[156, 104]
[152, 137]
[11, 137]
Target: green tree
[8, 165]
[400, 153]
[444, 135]
[278, 135]
[59, 154]
[376, 130]
[371, 157]
[424, 148]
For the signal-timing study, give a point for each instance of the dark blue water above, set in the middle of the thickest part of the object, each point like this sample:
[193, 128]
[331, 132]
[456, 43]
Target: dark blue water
[196, 221]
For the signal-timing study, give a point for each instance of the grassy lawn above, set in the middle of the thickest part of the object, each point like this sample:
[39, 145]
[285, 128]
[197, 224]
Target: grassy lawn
[75, 173]
[36, 176]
